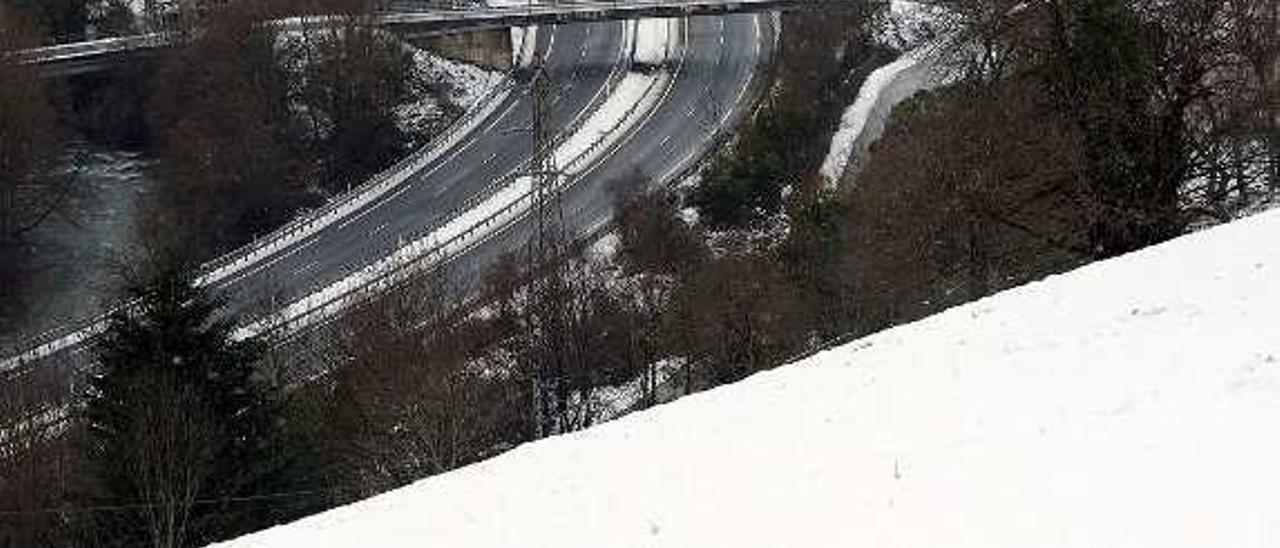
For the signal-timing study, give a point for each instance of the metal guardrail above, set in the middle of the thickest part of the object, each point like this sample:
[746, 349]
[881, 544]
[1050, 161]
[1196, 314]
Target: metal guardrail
[500, 183]
[397, 274]
[103, 46]
[375, 187]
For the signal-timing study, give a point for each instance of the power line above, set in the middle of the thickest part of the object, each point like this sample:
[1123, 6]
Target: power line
[145, 505]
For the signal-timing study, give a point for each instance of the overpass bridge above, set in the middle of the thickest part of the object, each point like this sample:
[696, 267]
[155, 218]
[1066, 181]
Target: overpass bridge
[413, 21]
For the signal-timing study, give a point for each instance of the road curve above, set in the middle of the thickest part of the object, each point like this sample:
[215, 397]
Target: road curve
[707, 90]
[709, 94]
[580, 59]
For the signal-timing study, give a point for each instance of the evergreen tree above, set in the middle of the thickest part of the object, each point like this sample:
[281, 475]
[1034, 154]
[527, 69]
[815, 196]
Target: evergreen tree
[180, 429]
[1104, 72]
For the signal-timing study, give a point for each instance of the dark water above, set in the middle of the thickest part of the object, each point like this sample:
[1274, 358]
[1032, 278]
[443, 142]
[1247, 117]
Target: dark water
[73, 263]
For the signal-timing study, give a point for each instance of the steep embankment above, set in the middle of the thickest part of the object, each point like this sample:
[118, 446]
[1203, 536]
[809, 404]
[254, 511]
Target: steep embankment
[1129, 403]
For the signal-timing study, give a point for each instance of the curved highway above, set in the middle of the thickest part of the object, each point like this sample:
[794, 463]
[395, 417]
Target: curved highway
[709, 87]
[580, 60]
[707, 90]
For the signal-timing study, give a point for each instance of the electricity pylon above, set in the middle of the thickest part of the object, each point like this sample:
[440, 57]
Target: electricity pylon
[546, 312]
[543, 170]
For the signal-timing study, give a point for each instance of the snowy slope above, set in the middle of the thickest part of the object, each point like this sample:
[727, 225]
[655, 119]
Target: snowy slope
[1132, 403]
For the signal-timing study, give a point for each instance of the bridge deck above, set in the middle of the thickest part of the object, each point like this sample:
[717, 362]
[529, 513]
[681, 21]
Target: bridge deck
[66, 59]
[412, 22]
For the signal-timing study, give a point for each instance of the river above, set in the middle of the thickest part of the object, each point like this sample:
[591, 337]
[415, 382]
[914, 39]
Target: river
[75, 262]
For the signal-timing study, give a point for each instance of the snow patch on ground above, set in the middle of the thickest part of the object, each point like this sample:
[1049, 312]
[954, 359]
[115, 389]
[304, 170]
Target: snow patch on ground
[612, 402]
[910, 24]
[467, 85]
[1124, 404]
[605, 248]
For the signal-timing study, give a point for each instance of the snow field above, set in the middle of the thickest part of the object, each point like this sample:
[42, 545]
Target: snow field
[1126, 404]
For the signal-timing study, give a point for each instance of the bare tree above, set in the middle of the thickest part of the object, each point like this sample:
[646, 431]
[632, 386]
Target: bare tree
[258, 120]
[39, 468]
[169, 447]
[1173, 99]
[413, 402]
[971, 190]
[354, 78]
[228, 169]
[731, 318]
[28, 137]
[652, 236]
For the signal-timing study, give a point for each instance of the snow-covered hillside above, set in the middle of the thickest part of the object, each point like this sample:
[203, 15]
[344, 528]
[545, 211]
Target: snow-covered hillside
[1132, 403]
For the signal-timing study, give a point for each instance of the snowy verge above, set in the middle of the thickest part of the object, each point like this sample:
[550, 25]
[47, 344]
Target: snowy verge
[864, 121]
[635, 94]
[469, 84]
[1125, 404]
[466, 86]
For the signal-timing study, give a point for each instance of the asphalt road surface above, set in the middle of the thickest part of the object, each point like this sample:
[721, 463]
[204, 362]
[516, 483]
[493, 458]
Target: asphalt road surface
[709, 94]
[709, 89]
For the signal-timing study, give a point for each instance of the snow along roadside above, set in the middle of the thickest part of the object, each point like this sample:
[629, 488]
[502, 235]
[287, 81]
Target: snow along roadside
[864, 121]
[1128, 404]
[629, 103]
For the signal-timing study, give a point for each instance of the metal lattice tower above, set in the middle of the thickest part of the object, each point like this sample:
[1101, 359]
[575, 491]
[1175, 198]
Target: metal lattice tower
[546, 319]
[544, 172]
